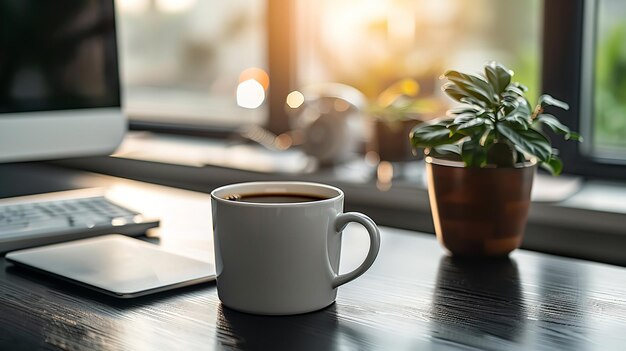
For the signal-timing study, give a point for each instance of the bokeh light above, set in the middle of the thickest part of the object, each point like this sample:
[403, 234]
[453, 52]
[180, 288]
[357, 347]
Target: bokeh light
[250, 94]
[384, 175]
[256, 74]
[295, 99]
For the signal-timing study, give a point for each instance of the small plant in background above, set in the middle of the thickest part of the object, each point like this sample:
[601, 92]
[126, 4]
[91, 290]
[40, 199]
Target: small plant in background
[393, 114]
[400, 101]
[495, 125]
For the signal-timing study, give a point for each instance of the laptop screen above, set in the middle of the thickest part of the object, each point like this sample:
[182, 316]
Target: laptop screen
[57, 55]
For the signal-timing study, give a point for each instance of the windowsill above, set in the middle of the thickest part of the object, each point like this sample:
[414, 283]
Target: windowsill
[568, 216]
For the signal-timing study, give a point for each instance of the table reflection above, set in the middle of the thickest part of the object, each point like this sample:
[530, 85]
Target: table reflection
[311, 331]
[560, 317]
[478, 303]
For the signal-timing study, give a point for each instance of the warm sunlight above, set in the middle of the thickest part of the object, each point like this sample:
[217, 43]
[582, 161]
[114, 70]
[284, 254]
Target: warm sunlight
[257, 74]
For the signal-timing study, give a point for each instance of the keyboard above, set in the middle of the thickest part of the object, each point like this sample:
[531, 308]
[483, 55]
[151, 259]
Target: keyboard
[44, 219]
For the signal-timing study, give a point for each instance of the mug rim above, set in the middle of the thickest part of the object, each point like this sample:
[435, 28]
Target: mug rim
[338, 196]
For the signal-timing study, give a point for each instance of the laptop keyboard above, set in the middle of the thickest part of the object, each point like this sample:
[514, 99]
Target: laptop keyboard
[58, 218]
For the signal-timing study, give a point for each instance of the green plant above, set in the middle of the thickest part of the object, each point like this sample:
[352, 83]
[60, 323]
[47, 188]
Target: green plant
[399, 102]
[495, 125]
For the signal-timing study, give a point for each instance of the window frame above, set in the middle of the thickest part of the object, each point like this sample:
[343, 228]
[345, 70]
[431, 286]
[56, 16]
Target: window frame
[281, 61]
[567, 66]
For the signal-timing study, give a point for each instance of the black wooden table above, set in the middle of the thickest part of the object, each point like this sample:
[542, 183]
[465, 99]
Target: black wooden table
[414, 297]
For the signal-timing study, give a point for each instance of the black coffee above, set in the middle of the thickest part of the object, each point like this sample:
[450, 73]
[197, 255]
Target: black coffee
[274, 198]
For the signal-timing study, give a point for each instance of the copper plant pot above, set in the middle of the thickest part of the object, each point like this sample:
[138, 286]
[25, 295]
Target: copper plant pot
[479, 212]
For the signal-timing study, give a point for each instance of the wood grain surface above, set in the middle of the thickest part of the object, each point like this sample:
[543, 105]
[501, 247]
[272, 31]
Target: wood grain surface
[413, 298]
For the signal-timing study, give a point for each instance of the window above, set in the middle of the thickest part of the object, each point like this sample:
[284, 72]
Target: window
[182, 60]
[609, 81]
[371, 44]
[584, 63]
[194, 61]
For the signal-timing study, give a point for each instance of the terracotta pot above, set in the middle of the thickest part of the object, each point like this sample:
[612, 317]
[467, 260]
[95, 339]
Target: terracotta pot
[391, 139]
[479, 212]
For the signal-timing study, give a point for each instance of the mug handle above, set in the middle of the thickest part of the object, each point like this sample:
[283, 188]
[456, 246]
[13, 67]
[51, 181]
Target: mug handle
[341, 221]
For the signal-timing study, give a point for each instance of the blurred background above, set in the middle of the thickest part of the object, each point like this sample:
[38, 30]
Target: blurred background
[609, 113]
[206, 63]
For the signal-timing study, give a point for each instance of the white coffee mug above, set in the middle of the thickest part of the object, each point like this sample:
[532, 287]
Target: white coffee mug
[282, 258]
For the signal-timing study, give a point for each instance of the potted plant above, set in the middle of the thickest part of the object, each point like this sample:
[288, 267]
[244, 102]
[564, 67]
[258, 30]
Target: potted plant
[393, 115]
[481, 160]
